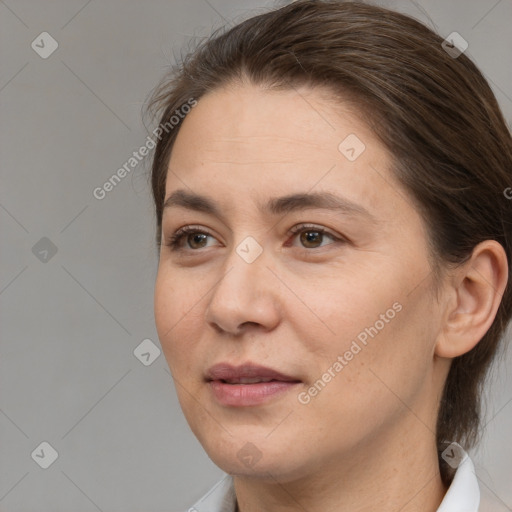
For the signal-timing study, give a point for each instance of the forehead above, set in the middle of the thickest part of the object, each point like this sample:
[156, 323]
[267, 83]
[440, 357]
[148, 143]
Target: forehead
[286, 123]
[246, 143]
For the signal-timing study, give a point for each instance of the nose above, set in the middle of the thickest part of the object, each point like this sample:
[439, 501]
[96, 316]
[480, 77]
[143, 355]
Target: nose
[245, 297]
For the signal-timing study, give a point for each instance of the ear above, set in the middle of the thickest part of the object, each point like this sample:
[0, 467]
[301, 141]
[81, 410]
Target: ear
[475, 289]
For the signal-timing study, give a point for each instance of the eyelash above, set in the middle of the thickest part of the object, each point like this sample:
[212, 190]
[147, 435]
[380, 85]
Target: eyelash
[174, 241]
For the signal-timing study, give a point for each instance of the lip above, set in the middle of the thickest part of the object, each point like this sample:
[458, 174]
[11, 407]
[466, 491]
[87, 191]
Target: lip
[226, 384]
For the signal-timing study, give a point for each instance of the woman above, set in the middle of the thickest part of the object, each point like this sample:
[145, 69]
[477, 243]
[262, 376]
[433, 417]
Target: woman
[334, 249]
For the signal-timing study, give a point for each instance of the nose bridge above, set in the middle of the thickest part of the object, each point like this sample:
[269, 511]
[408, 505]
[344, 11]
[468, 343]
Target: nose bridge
[244, 271]
[243, 293]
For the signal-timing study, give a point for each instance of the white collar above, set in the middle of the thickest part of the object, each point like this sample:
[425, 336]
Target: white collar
[220, 498]
[463, 495]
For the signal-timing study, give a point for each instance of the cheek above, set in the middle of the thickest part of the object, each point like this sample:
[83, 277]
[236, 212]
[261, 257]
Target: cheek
[174, 317]
[383, 363]
[366, 331]
[165, 300]
[351, 308]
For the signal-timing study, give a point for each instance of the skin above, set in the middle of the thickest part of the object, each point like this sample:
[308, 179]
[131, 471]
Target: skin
[366, 441]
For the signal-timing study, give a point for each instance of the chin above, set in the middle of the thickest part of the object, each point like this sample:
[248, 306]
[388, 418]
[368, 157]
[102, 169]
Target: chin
[271, 471]
[262, 459]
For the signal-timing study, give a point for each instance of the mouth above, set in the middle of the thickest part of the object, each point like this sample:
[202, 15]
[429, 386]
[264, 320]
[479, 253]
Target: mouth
[248, 384]
[248, 380]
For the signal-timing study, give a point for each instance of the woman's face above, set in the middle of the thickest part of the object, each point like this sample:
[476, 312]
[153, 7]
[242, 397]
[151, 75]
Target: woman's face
[343, 322]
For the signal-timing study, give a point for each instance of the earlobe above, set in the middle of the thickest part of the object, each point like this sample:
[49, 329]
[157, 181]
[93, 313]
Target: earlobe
[478, 287]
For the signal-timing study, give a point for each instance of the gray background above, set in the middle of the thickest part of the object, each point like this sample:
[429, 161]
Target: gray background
[70, 324]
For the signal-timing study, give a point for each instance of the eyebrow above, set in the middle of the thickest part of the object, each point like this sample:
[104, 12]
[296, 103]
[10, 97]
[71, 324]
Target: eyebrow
[274, 206]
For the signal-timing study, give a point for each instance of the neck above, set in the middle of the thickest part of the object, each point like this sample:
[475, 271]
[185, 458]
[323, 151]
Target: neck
[382, 475]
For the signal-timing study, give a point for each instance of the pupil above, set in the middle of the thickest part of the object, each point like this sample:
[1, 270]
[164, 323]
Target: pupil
[197, 237]
[309, 237]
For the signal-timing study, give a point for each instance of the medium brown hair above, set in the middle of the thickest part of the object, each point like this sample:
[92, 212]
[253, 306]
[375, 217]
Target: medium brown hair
[436, 114]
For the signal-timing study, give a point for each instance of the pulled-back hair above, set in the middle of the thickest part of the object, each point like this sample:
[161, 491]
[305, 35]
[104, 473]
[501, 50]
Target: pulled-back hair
[434, 112]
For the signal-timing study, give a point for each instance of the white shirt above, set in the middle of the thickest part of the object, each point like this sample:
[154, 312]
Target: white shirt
[463, 495]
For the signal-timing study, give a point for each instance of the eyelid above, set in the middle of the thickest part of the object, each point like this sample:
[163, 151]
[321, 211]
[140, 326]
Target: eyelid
[174, 241]
[312, 227]
[304, 227]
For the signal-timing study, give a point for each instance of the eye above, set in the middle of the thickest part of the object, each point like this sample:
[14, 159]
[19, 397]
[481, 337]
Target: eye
[193, 237]
[312, 236]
